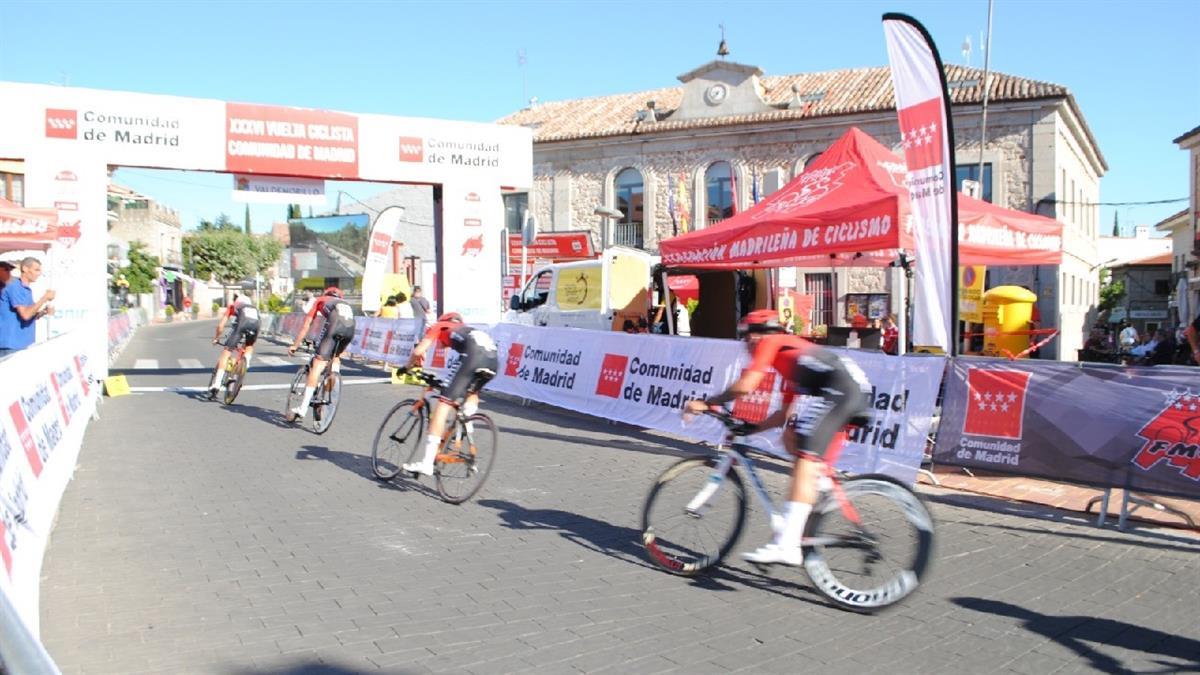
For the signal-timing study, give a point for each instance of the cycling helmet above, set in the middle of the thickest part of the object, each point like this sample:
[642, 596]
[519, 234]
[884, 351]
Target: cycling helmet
[453, 317]
[760, 321]
[334, 291]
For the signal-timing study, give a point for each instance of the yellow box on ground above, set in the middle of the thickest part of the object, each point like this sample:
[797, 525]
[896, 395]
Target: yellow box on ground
[116, 385]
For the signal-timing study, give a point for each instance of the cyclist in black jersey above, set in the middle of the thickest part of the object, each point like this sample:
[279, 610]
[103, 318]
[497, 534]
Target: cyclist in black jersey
[336, 333]
[245, 326]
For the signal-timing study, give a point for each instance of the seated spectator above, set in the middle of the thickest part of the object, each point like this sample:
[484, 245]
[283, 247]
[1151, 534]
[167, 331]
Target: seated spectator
[1164, 349]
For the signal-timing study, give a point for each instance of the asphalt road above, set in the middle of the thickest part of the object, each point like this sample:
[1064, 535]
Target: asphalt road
[208, 539]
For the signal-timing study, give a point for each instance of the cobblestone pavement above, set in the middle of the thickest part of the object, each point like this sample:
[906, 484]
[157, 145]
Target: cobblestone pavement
[202, 539]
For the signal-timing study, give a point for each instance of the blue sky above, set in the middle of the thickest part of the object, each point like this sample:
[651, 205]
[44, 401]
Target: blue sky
[1132, 66]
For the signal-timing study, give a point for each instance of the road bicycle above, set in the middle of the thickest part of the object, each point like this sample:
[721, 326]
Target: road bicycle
[324, 403]
[235, 373]
[867, 543]
[465, 457]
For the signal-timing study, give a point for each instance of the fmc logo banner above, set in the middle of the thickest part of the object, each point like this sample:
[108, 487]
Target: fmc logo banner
[1137, 428]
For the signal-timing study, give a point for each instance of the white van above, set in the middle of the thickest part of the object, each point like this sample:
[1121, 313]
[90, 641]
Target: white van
[598, 294]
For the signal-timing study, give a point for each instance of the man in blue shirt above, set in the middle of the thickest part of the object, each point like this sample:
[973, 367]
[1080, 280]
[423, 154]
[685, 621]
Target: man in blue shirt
[18, 311]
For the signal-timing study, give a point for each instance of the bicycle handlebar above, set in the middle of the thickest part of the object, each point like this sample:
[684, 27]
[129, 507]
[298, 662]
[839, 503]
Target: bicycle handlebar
[430, 379]
[735, 425]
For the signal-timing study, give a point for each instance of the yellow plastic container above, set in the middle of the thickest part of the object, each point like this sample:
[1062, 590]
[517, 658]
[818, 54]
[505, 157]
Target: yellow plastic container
[1006, 309]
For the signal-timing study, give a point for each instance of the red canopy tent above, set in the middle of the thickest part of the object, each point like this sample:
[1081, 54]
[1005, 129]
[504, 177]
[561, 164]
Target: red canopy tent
[852, 199]
[22, 228]
[850, 209]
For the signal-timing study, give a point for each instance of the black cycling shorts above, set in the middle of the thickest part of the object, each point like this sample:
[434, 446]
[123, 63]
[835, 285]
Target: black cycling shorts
[475, 369]
[838, 390]
[243, 329]
[335, 336]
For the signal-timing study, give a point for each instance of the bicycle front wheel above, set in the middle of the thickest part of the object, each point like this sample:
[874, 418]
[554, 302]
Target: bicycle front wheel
[331, 393]
[686, 531]
[467, 460]
[878, 561]
[233, 381]
[398, 440]
[295, 393]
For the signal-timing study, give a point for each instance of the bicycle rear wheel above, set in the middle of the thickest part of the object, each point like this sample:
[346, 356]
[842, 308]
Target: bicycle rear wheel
[880, 560]
[234, 379]
[331, 394]
[467, 460]
[295, 393]
[398, 440]
[687, 541]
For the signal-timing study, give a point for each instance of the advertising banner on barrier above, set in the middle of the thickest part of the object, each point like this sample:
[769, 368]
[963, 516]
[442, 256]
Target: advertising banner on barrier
[47, 398]
[644, 380]
[1136, 428]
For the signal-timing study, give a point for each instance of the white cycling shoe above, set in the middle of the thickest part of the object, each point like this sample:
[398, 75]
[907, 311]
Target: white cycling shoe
[423, 468]
[773, 554]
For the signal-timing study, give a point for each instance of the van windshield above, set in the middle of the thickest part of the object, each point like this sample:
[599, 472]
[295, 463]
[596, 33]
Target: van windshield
[538, 290]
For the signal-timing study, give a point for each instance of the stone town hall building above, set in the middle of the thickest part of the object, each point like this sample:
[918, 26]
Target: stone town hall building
[730, 129]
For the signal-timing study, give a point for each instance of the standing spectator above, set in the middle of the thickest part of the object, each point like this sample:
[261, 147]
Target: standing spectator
[308, 302]
[1128, 336]
[390, 310]
[404, 309]
[18, 311]
[420, 310]
[6, 269]
[891, 335]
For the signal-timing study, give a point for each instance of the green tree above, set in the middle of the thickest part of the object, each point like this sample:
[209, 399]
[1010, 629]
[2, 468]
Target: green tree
[1116, 227]
[1111, 291]
[221, 224]
[142, 270]
[266, 252]
[246, 224]
[226, 256]
[230, 255]
[294, 211]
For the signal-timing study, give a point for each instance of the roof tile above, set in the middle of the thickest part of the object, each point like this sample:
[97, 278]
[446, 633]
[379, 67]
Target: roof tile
[851, 91]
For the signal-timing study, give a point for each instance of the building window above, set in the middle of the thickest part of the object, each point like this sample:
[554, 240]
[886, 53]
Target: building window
[971, 172]
[1162, 286]
[820, 287]
[718, 190]
[515, 206]
[12, 188]
[630, 191]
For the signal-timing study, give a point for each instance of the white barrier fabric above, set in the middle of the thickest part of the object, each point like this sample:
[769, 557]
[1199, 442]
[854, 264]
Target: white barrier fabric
[47, 398]
[644, 379]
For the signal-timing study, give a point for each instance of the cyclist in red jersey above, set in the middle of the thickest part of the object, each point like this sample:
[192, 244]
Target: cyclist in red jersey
[336, 333]
[477, 365]
[838, 390]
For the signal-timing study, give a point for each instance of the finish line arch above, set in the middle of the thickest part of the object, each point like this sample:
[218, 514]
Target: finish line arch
[69, 137]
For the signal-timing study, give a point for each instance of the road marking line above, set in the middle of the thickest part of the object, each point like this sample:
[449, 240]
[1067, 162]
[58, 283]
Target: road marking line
[190, 363]
[256, 387]
[272, 361]
[146, 364]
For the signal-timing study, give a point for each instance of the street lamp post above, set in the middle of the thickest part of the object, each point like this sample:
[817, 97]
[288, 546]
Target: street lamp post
[607, 214]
